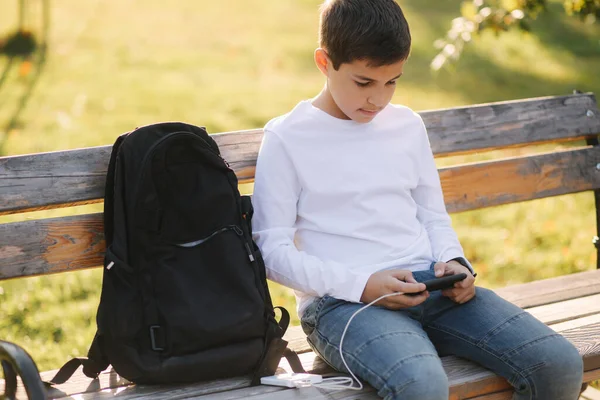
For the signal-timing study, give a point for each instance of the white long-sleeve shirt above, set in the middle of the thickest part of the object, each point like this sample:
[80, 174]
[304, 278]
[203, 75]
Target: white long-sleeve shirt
[336, 200]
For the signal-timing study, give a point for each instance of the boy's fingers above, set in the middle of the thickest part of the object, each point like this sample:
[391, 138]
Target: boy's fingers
[465, 283]
[415, 300]
[465, 297]
[413, 287]
[460, 296]
[440, 269]
[410, 285]
[398, 302]
[403, 275]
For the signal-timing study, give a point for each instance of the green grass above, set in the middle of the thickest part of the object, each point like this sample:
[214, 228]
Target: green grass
[234, 64]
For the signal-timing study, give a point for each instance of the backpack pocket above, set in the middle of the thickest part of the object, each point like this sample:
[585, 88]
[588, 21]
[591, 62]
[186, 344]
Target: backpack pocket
[206, 292]
[119, 313]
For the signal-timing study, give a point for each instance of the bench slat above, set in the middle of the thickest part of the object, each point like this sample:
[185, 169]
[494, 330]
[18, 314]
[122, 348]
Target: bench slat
[48, 180]
[74, 177]
[51, 245]
[244, 393]
[503, 395]
[512, 123]
[32, 247]
[587, 341]
[576, 323]
[552, 290]
[567, 310]
[494, 183]
[309, 393]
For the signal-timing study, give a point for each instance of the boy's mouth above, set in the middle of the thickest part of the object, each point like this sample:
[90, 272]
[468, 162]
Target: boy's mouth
[370, 113]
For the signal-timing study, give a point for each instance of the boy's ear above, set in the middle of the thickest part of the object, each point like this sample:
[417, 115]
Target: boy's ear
[322, 61]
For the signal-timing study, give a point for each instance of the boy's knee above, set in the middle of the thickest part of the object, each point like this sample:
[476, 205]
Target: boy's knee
[559, 377]
[427, 381]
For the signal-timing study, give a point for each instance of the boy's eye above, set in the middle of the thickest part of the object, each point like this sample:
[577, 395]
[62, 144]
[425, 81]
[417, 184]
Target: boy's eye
[391, 82]
[362, 84]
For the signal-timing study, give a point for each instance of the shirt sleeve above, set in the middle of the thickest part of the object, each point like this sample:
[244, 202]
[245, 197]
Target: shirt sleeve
[431, 209]
[276, 193]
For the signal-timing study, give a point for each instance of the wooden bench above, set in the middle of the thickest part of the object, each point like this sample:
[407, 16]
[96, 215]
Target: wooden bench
[569, 304]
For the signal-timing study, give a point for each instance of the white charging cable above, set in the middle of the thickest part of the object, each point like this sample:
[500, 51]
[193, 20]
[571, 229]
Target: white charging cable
[345, 382]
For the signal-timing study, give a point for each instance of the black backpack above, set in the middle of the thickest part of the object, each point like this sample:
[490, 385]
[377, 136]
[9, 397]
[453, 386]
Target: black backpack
[184, 292]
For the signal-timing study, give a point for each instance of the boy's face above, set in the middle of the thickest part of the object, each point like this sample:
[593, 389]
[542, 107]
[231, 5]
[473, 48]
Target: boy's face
[358, 91]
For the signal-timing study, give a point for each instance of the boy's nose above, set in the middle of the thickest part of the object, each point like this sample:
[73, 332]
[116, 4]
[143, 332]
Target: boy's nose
[376, 100]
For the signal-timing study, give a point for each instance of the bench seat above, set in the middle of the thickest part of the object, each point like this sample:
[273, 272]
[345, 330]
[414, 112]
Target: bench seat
[568, 304]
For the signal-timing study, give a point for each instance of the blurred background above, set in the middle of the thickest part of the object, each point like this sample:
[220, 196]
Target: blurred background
[79, 73]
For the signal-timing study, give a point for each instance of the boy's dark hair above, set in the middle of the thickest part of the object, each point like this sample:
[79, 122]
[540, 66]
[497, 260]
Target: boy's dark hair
[373, 30]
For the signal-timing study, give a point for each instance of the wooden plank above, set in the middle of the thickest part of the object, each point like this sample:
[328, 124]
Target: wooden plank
[465, 187]
[552, 290]
[512, 123]
[107, 386]
[283, 394]
[74, 177]
[567, 310]
[50, 180]
[493, 183]
[107, 381]
[459, 371]
[469, 380]
[590, 394]
[590, 376]
[240, 149]
[503, 395]
[70, 243]
[243, 393]
[587, 340]
[51, 245]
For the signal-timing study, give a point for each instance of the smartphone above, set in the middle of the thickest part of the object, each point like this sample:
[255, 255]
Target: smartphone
[442, 283]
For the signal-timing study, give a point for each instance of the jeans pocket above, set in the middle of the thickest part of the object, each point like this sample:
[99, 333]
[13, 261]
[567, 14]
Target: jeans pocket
[310, 317]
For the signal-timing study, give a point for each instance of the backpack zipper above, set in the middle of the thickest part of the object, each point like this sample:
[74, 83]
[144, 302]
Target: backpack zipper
[195, 243]
[238, 231]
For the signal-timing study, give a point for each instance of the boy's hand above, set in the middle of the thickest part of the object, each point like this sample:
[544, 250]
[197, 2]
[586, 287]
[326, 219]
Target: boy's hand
[462, 291]
[392, 281]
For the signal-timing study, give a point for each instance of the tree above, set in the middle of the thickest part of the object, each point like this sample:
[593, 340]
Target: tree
[500, 16]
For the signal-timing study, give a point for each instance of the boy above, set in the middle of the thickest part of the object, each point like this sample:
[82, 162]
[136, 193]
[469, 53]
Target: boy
[349, 207]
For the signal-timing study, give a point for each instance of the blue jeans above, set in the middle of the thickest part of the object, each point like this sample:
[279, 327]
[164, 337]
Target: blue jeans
[398, 352]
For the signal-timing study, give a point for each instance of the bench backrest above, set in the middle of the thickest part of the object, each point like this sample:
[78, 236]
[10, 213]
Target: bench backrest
[75, 177]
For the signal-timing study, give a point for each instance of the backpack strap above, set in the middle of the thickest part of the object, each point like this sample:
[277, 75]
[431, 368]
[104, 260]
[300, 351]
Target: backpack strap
[276, 349]
[109, 192]
[284, 321]
[290, 355]
[95, 363]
